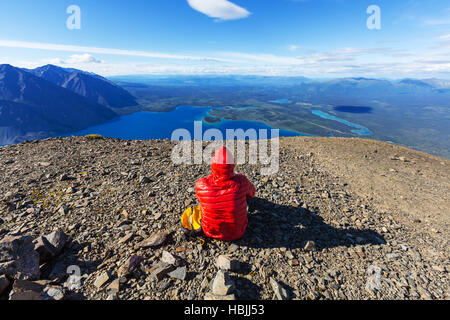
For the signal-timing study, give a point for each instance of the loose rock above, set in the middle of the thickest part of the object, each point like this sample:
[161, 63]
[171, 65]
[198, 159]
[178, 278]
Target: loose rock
[222, 284]
[280, 292]
[18, 259]
[179, 273]
[155, 240]
[101, 280]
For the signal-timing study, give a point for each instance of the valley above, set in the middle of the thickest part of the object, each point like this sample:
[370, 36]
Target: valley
[53, 101]
[402, 113]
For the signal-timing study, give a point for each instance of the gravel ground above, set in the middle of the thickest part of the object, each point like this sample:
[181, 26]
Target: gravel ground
[334, 223]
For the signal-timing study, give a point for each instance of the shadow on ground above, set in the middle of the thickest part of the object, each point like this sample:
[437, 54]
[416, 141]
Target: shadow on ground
[274, 226]
[57, 269]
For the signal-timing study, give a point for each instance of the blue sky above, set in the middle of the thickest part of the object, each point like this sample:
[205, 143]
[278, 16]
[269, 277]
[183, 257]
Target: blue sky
[313, 38]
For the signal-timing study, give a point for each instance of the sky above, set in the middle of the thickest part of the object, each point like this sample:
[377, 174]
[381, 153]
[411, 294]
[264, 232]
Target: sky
[311, 38]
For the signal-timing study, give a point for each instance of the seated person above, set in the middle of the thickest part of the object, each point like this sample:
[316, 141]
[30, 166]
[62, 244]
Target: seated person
[223, 199]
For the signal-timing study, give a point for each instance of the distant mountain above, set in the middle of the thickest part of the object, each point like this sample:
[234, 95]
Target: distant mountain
[414, 86]
[437, 83]
[89, 85]
[207, 80]
[361, 91]
[31, 107]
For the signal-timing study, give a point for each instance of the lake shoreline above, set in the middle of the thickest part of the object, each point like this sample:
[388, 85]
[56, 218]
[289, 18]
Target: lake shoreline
[145, 125]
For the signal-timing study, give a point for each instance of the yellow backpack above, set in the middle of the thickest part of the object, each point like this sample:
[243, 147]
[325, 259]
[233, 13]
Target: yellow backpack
[191, 220]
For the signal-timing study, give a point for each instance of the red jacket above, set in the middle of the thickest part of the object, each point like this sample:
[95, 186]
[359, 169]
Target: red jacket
[223, 199]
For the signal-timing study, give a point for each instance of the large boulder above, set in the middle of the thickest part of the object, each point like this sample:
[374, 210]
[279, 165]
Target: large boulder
[18, 259]
[50, 245]
[10, 245]
[28, 290]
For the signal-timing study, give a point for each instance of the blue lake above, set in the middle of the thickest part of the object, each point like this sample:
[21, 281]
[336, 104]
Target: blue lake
[353, 109]
[361, 130]
[160, 125]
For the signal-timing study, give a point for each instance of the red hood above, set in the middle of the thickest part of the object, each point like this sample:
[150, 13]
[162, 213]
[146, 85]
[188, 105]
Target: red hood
[222, 164]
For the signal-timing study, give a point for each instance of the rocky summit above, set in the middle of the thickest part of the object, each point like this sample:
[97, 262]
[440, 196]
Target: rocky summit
[97, 218]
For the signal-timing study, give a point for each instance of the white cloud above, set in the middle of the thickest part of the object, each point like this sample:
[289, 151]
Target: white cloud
[55, 61]
[340, 62]
[313, 66]
[83, 58]
[73, 59]
[219, 9]
[71, 48]
[293, 47]
[444, 37]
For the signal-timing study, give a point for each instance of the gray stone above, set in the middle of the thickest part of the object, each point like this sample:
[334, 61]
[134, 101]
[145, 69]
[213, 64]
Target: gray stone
[10, 247]
[224, 262]
[310, 246]
[126, 238]
[18, 259]
[144, 179]
[53, 293]
[57, 239]
[393, 256]
[70, 190]
[289, 255]
[157, 215]
[169, 258]
[191, 295]
[26, 290]
[131, 265]
[160, 270]
[44, 249]
[163, 285]
[205, 283]
[63, 210]
[50, 245]
[101, 280]
[280, 292]
[179, 273]
[155, 240]
[222, 284]
[114, 287]
[438, 268]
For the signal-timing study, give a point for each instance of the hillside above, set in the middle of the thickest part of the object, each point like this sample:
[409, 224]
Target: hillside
[31, 107]
[337, 210]
[89, 85]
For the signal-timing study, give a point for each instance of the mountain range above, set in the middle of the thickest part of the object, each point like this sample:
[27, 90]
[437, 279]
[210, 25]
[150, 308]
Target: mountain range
[51, 100]
[89, 85]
